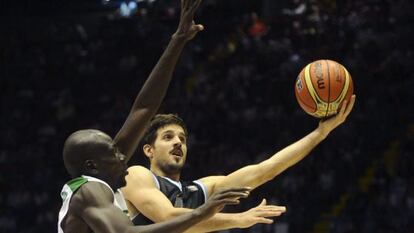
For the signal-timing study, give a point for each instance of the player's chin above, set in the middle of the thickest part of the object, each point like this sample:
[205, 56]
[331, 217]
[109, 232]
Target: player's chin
[122, 181]
[175, 167]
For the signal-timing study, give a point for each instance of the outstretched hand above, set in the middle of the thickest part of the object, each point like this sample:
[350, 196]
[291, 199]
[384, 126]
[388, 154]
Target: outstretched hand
[222, 198]
[327, 125]
[260, 214]
[187, 27]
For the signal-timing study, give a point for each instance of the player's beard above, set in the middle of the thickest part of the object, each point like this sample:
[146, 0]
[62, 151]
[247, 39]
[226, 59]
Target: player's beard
[171, 168]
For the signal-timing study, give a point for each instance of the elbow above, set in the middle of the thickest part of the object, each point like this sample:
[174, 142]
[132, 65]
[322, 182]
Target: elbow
[266, 178]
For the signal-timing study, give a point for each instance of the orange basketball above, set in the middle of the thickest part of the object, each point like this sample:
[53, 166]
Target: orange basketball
[322, 86]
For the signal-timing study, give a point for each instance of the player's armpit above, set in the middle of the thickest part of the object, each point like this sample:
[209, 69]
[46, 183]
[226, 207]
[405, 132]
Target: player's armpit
[210, 182]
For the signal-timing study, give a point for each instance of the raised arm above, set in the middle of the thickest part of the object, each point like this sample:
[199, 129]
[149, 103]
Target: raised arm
[155, 87]
[255, 175]
[147, 199]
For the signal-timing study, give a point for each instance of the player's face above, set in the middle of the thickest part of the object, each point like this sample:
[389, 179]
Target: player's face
[113, 166]
[118, 168]
[169, 151]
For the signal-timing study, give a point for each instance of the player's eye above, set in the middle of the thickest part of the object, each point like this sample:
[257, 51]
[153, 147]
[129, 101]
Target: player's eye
[183, 139]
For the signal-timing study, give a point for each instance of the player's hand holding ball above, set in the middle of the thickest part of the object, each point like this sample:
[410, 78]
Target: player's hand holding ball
[324, 89]
[322, 86]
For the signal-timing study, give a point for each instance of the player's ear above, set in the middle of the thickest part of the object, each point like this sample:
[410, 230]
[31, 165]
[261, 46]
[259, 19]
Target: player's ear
[91, 167]
[148, 150]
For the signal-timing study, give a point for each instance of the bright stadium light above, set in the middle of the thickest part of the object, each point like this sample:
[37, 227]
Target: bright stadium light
[132, 5]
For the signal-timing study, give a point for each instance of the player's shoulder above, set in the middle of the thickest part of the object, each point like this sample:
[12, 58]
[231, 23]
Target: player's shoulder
[138, 169]
[211, 179]
[139, 175]
[92, 194]
[139, 172]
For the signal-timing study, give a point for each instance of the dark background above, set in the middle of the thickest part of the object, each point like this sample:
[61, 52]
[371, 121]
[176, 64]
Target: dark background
[68, 65]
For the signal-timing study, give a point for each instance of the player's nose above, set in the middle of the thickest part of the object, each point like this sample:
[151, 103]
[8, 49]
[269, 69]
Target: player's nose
[177, 140]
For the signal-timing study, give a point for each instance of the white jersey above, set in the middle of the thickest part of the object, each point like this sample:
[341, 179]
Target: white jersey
[70, 187]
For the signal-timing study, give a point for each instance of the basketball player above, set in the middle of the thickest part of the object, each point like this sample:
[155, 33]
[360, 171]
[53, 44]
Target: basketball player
[148, 191]
[89, 202]
[97, 163]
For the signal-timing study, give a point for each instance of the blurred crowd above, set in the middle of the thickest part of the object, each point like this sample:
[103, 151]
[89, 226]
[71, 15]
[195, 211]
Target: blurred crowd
[234, 89]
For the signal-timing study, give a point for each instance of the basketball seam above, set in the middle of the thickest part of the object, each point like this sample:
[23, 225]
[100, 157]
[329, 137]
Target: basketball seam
[329, 89]
[314, 91]
[346, 85]
[311, 88]
[343, 86]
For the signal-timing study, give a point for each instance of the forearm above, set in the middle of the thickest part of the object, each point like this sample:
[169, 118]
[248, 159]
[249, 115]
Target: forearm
[176, 225]
[292, 154]
[255, 175]
[149, 98]
[154, 89]
[219, 221]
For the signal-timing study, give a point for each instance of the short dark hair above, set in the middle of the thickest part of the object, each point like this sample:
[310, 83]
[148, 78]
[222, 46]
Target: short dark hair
[159, 121]
[83, 145]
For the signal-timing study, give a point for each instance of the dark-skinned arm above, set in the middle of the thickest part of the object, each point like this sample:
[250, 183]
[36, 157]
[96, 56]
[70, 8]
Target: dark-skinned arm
[155, 87]
[93, 204]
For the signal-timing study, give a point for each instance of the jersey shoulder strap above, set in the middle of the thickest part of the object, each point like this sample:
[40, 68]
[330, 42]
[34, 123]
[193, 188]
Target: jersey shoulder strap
[66, 194]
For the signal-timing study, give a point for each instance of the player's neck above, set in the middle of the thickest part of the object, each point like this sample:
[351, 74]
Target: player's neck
[173, 177]
[159, 172]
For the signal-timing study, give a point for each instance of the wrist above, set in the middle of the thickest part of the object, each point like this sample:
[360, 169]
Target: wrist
[321, 133]
[237, 220]
[201, 212]
[180, 37]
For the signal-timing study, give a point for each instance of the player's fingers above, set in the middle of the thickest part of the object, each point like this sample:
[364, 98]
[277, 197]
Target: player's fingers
[184, 5]
[199, 27]
[263, 203]
[234, 195]
[350, 105]
[195, 6]
[229, 201]
[273, 208]
[343, 107]
[235, 189]
[269, 213]
[264, 220]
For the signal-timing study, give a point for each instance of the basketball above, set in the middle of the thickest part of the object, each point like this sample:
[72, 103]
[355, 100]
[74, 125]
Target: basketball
[322, 86]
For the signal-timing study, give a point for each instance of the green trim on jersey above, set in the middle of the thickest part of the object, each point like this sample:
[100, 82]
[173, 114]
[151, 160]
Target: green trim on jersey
[73, 185]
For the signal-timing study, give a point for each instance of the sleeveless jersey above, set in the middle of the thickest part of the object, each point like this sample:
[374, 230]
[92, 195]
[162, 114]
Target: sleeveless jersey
[73, 185]
[186, 194]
